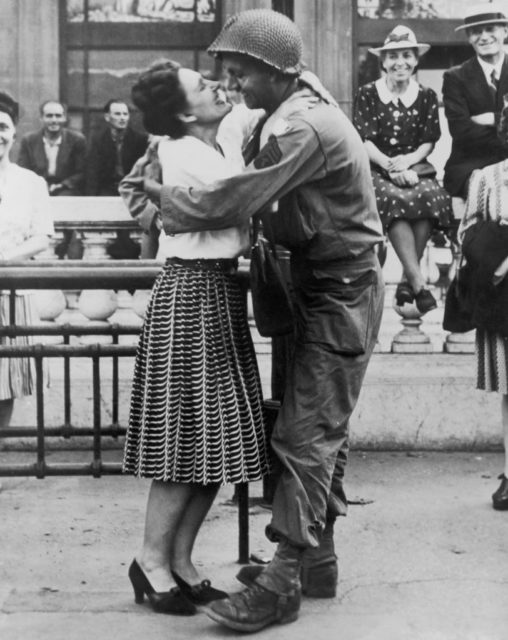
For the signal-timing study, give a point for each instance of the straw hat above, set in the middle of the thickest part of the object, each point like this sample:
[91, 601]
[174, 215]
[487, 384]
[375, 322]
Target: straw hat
[485, 13]
[401, 37]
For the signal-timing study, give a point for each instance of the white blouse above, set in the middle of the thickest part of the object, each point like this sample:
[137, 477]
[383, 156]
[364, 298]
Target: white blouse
[24, 207]
[184, 161]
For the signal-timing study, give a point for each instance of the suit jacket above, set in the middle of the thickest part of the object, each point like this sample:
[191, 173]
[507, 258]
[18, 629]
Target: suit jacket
[101, 165]
[466, 93]
[70, 163]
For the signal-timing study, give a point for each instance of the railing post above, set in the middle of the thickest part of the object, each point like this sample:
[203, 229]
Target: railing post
[96, 464]
[243, 522]
[67, 388]
[39, 386]
[114, 383]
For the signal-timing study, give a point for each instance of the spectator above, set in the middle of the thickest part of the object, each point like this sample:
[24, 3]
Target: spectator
[398, 121]
[112, 154]
[57, 154]
[473, 98]
[483, 232]
[25, 227]
[113, 151]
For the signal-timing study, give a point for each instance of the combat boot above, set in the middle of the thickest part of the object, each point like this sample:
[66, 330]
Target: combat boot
[255, 608]
[319, 572]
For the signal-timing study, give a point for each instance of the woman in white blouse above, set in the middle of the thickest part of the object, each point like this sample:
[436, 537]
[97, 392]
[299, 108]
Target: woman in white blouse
[25, 227]
[196, 408]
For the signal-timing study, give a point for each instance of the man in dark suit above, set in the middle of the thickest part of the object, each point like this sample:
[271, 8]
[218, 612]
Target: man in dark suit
[113, 151]
[58, 155]
[112, 154]
[55, 152]
[473, 98]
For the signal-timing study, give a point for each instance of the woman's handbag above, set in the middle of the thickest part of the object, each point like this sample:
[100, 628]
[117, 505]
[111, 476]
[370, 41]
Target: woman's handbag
[270, 296]
[424, 169]
[457, 316]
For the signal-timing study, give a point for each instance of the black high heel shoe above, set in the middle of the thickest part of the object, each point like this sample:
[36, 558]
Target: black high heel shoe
[199, 594]
[499, 497]
[172, 601]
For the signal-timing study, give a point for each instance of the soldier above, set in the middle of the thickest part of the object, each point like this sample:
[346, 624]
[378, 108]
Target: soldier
[473, 98]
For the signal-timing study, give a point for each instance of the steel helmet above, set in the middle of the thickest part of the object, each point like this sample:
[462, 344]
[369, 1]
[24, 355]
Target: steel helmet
[263, 34]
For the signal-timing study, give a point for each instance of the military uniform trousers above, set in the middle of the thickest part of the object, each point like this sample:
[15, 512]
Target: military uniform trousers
[338, 308]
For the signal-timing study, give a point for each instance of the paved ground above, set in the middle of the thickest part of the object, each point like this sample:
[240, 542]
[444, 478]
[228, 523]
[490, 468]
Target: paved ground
[423, 556]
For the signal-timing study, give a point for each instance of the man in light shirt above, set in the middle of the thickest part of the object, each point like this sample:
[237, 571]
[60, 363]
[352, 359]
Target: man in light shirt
[55, 152]
[58, 154]
[473, 97]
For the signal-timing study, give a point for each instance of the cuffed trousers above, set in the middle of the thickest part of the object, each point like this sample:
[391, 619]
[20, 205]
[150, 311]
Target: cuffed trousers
[338, 314]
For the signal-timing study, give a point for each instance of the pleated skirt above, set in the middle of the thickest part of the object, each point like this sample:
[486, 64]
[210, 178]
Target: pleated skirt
[196, 410]
[17, 375]
[491, 361]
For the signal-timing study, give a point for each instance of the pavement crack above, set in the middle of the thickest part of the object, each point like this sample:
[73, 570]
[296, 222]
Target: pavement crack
[399, 583]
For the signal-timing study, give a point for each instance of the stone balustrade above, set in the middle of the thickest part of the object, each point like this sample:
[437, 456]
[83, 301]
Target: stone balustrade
[99, 219]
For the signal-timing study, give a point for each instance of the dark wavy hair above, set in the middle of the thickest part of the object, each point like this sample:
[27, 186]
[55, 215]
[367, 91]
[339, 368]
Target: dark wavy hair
[9, 106]
[160, 97]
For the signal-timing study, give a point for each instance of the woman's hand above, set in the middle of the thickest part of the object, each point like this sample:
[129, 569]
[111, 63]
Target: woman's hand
[399, 163]
[27, 249]
[500, 272]
[157, 221]
[406, 178]
[487, 119]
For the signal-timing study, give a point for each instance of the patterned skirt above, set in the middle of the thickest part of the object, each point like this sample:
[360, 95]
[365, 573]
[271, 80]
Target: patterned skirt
[426, 200]
[196, 410]
[17, 375]
[492, 361]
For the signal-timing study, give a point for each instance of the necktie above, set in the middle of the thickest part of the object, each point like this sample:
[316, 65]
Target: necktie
[494, 84]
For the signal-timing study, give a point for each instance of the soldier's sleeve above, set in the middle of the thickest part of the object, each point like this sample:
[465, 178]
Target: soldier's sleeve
[291, 156]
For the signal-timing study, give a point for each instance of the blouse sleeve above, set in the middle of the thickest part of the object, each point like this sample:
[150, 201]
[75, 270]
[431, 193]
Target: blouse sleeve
[41, 222]
[365, 114]
[430, 129]
[477, 203]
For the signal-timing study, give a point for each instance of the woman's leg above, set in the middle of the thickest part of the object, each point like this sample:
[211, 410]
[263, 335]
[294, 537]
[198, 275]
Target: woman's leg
[403, 240]
[167, 503]
[421, 230]
[188, 528]
[504, 418]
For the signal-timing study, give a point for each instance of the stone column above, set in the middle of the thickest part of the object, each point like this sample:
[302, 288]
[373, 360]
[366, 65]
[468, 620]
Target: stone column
[29, 60]
[230, 7]
[328, 45]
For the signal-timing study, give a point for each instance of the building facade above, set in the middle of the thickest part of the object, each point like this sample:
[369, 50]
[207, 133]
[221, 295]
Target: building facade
[84, 52]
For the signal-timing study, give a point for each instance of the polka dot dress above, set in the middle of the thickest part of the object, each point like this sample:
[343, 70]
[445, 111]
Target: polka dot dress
[399, 129]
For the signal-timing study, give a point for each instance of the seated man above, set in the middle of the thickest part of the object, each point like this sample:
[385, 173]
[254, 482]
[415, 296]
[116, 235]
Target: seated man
[473, 98]
[113, 150]
[112, 154]
[58, 154]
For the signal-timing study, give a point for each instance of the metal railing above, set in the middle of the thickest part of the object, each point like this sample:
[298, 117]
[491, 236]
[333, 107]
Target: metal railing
[72, 275]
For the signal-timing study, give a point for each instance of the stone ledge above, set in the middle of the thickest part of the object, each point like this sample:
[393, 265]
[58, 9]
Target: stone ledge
[426, 401]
